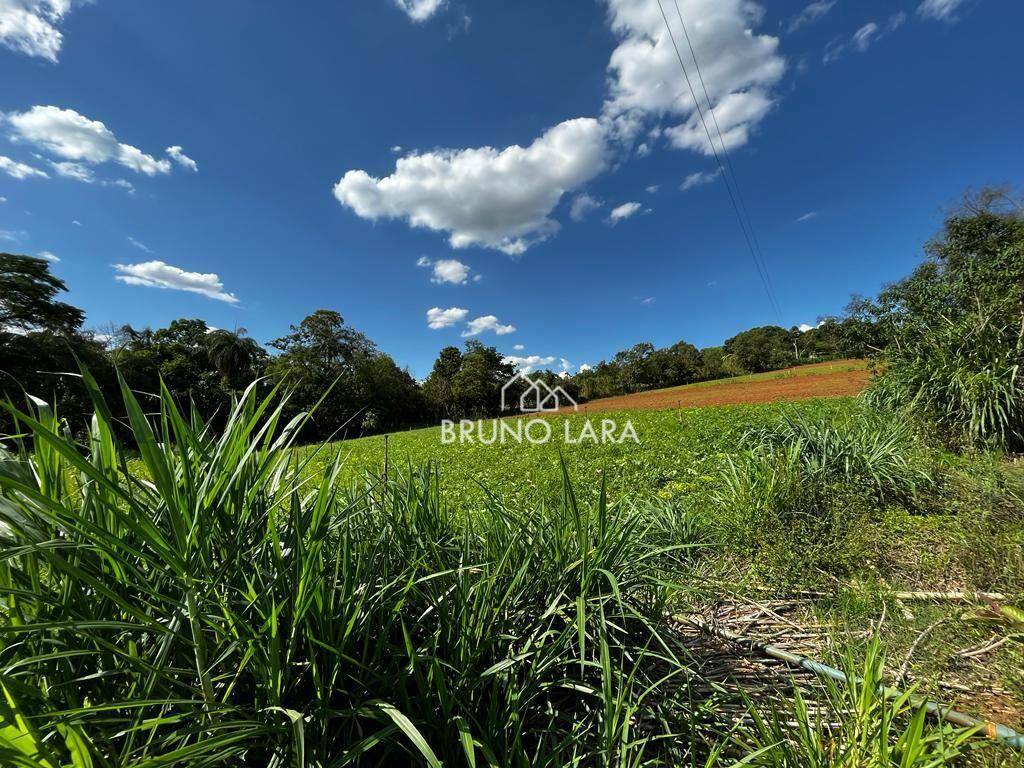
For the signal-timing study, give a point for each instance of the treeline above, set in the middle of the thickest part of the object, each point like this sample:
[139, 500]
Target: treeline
[767, 348]
[323, 363]
[951, 334]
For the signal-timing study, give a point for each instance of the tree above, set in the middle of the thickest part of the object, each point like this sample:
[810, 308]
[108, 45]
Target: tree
[439, 388]
[766, 348]
[236, 357]
[28, 297]
[477, 386]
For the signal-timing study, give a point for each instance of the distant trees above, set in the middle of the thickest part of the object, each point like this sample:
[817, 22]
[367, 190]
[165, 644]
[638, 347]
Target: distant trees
[354, 387]
[467, 384]
[235, 356]
[766, 348]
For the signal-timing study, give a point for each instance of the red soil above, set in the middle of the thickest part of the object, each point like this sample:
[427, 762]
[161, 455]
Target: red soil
[828, 384]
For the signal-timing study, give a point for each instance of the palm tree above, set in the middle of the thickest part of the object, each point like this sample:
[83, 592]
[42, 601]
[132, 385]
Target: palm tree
[234, 355]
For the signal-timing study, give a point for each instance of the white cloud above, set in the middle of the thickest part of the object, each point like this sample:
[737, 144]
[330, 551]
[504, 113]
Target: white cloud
[811, 14]
[584, 368]
[420, 10]
[3, 199]
[12, 235]
[648, 300]
[423, 261]
[806, 217]
[178, 156]
[397, 149]
[450, 271]
[76, 222]
[30, 26]
[18, 170]
[940, 10]
[700, 178]
[529, 363]
[47, 256]
[735, 113]
[805, 327]
[487, 323]
[499, 199]
[71, 136]
[623, 212]
[157, 274]
[518, 347]
[653, 189]
[438, 318]
[75, 171]
[738, 66]
[140, 245]
[863, 38]
[582, 205]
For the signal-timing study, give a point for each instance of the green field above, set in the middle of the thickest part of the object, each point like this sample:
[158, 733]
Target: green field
[680, 455]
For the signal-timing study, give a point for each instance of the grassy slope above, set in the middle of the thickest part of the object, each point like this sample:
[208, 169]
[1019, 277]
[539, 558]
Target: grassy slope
[680, 453]
[680, 458]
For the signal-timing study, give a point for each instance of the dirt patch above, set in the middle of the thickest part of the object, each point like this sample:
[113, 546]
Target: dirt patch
[832, 384]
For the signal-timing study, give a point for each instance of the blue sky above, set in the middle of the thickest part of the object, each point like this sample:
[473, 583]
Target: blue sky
[389, 157]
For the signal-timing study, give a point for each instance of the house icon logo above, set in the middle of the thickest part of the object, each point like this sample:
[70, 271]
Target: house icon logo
[538, 397]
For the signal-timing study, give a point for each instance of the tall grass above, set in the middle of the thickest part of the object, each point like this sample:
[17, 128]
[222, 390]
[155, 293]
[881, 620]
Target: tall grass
[224, 608]
[860, 727]
[965, 376]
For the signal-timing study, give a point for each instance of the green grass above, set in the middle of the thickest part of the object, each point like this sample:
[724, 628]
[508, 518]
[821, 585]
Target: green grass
[226, 599]
[680, 455]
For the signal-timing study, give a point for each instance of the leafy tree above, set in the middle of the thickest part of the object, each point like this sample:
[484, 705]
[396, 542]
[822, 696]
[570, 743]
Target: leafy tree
[28, 297]
[477, 385]
[439, 388]
[235, 356]
[766, 348]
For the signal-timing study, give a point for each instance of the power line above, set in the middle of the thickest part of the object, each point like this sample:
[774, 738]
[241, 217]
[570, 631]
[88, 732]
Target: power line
[728, 157]
[747, 236]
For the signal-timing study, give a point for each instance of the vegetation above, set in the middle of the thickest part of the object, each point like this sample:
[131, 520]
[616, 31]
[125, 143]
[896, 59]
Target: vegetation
[247, 606]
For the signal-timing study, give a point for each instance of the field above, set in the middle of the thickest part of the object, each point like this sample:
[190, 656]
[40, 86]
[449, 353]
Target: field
[397, 600]
[841, 378]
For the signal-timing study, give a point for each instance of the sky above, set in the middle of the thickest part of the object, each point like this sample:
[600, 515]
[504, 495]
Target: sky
[535, 175]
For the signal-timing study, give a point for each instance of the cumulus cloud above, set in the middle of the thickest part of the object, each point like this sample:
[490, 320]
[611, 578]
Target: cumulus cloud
[940, 10]
[739, 67]
[810, 14]
[420, 10]
[500, 199]
[450, 271]
[31, 26]
[157, 274]
[20, 171]
[623, 212]
[177, 155]
[700, 178]
[518, 347]
[528, 363]
[584, 368]
[582, 205]
[736, 114]
[487, 323]
[73, 137]
[438, 318]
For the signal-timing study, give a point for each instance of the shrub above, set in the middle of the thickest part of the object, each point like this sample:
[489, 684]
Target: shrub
[966, 376]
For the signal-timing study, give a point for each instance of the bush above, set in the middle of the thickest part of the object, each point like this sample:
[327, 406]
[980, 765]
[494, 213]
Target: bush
[966, 376]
